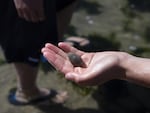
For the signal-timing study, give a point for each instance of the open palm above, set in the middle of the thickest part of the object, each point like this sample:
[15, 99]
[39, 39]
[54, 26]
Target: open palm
[99, 65]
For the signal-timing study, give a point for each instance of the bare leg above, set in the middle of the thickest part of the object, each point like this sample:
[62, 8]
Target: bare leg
[22, 70]
[27, 87]
[64, 18]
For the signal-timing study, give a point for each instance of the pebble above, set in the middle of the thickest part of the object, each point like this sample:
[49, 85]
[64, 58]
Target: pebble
[76, 60]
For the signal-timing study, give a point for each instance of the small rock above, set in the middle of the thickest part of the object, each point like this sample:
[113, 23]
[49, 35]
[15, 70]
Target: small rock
[76, 60]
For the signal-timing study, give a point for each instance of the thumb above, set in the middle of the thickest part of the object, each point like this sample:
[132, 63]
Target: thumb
[73, 77]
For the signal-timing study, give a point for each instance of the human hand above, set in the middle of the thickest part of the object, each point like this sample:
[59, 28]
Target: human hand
[30, 10]
[100, 66]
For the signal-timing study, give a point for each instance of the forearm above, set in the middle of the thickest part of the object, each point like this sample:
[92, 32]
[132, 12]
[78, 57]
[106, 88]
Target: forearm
[136, 70]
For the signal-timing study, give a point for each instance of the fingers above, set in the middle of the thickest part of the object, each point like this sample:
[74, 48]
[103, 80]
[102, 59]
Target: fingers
[53, 58]
[40, 14]
[56, 50]
[28, 15]
[51, 52]
[57, 58]
[30, 10]
[31, 15]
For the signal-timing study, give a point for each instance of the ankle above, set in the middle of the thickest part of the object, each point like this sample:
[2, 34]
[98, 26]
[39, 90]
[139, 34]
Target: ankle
[28, 92]
[32, 92]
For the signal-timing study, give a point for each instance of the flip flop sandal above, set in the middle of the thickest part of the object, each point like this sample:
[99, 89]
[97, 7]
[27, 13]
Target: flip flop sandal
[12, 98]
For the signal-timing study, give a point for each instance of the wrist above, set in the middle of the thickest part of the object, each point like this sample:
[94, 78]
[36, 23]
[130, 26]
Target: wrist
[124, 65]
[134, 69]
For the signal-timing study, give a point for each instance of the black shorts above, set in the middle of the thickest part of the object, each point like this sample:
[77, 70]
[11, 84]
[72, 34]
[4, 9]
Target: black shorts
[22, 41]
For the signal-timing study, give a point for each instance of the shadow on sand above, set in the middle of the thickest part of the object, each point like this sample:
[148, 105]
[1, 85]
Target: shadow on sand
[62, 109]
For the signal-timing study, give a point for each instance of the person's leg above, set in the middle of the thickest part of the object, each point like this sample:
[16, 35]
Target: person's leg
[22, 70]
[26, 87]
[26, 79]
[64, 17]
[27, 74]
